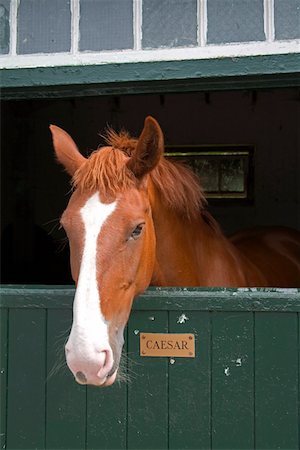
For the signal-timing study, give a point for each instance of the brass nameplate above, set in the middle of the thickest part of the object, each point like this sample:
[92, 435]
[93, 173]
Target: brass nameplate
[165, 344]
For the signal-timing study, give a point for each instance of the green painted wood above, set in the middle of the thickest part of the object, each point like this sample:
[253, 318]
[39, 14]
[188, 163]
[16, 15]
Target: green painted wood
[107, 415]
[188, 404]
[176, 76]
[65, 399]
[275, 81]
[3, 374]
[26, 380]
[168, 299]
[148, 391]
[298, 317]
[276, 381]
[232, 381]
[36, 296]
[190, 384]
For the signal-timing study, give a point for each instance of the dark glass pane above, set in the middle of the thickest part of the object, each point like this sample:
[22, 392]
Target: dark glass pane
[169, 23]
[106, 24]
[44, 26]
[287, 19]
[232, 175]
[4, 26]
[235, 21]
[208, 172]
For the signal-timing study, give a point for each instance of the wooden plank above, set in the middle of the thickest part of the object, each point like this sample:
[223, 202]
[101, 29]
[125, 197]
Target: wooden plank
[168, 299]
[107, 413]
[189, 384]
[232, 381]
[56, 297]
[148, 388]
[106, 417]
[276, 381]
[138, 77]
[3, 374]
[26, 381]
[66, 399]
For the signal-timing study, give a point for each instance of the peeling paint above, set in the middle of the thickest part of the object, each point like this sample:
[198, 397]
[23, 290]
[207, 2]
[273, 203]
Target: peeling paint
[172, 361]
[227, 371]
[182, 319]
[287, 290]
[238, 362]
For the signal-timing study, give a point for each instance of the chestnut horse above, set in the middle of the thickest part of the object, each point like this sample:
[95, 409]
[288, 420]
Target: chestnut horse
[136, 219]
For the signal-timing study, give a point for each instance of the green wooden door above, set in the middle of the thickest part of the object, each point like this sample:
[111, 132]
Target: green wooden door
[241, 391]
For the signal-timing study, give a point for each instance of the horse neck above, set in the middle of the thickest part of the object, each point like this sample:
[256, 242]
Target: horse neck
[192, 252]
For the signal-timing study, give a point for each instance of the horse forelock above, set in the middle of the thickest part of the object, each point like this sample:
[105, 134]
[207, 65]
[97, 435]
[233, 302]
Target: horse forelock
[106, 170]
[122, 141]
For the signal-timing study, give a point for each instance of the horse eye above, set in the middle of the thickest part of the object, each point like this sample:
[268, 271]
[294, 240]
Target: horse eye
[137, 231]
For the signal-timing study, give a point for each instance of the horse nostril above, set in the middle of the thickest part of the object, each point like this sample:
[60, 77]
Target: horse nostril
[81, 377]
[107, 363]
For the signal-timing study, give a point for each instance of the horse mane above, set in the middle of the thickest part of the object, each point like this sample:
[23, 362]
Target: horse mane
[106, 170]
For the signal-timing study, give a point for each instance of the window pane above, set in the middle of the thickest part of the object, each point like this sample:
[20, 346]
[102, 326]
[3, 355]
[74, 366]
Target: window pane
[287, 19]
[106, 24]
[232, 175]
[235, 21]
[4, 26]
[224, 172]
[169, 23]
[44, 26]
[208, 171]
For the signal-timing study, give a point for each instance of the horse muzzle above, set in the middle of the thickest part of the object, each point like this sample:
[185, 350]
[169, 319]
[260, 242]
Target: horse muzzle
[91, 364]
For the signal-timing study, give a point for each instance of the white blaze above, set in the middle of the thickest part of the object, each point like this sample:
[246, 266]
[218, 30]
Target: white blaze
[89, 329]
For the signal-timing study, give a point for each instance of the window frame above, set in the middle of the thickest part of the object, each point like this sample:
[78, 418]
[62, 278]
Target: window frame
[187, 153]
[74, 57]
[206, 67]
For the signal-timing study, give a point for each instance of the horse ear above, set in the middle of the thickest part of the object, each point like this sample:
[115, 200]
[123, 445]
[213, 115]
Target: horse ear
[66, 150]
[149, 149]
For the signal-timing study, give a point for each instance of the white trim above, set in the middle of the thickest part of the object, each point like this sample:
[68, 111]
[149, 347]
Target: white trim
[137, 24]
[269, 24]
[202, 22]
[135, 56]
[14, 4]
[75, 14]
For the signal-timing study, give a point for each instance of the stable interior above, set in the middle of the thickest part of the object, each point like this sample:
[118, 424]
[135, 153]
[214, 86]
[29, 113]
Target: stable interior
[35, 190]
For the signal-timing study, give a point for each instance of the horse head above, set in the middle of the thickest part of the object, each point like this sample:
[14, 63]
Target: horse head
[111, 236]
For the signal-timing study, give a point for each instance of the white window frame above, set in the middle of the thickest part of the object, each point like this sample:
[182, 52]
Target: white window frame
[203, 51]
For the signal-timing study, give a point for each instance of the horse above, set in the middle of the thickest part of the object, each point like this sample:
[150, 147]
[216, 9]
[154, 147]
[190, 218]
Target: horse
[136, 219]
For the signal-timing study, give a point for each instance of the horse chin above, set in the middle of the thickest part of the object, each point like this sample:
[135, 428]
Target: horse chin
[110, 380]
[107, 381]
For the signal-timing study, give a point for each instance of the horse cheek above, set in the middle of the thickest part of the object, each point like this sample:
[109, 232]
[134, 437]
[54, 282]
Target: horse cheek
[75, 258]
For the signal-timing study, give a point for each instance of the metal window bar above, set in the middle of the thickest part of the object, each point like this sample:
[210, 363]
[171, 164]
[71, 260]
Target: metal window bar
[269, 24]
[75, 32]
[202, 22]
[13, 27]
[137, 24]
